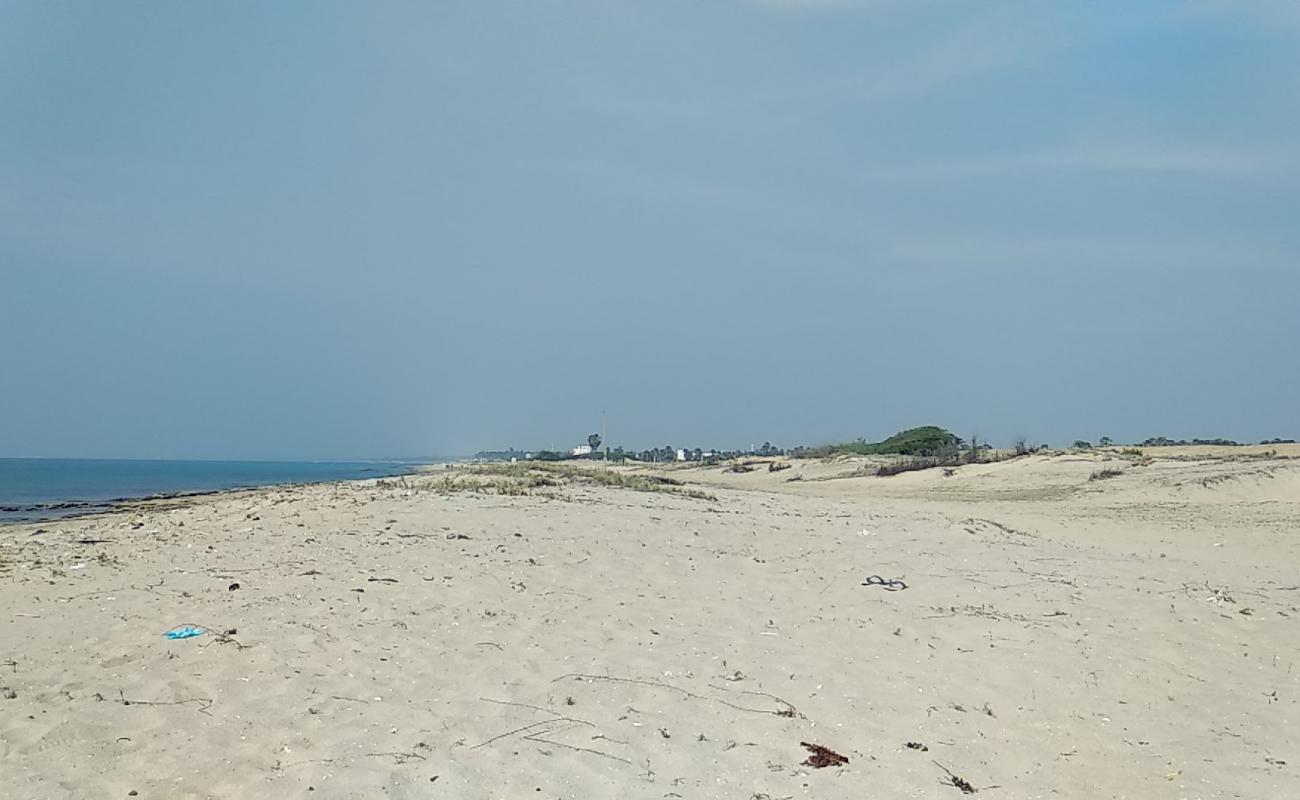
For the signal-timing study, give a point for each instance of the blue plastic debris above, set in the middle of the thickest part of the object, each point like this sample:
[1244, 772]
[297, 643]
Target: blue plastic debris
[185, 632]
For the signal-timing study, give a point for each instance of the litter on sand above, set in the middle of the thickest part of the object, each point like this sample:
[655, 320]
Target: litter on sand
[185, 632]
[890, 585]
[820, 757]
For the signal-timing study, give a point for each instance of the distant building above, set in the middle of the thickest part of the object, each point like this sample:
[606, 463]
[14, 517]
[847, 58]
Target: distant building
[681, 455]
[581, 450]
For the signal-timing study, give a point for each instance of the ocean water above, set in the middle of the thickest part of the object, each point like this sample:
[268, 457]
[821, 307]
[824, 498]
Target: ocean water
[48, 488]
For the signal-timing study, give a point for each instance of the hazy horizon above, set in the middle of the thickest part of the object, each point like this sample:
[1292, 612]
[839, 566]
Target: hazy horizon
[309, 231]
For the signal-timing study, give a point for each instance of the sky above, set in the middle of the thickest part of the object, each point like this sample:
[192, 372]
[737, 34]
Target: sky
[362, 230]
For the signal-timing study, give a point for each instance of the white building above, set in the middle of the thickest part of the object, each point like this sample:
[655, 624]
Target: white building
[581, 450]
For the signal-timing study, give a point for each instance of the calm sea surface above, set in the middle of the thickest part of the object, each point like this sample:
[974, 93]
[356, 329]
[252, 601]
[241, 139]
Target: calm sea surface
[41, 488]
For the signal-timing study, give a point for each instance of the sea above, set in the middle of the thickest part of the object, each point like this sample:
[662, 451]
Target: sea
[34, 489]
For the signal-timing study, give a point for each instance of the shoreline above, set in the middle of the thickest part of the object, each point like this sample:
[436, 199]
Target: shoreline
[79, 509]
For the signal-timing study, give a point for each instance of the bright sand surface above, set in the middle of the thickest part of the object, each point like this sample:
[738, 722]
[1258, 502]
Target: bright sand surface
[1058, 637]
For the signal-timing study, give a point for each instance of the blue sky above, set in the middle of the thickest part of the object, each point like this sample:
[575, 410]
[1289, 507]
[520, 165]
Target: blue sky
[312, 230]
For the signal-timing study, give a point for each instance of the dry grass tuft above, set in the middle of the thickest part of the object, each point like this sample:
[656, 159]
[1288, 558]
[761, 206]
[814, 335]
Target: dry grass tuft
[915, 464]
[526, 478]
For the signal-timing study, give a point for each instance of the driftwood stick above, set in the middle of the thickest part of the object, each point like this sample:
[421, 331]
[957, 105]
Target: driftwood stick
[687, 692]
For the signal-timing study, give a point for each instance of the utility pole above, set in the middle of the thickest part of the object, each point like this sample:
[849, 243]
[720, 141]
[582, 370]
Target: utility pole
[604, 434]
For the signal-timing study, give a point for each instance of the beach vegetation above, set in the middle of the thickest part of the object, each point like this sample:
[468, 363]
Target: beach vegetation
[927, 441]
[1161, 441]
[545, 477]
[915, 464]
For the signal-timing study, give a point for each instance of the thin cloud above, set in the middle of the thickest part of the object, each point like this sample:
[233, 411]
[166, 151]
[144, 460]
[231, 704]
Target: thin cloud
[982, 47]
[1270, 15]
[712, 195]
[808, 5]
[663, 186]
[1238, 164]
[988, 44]
[1031, 252]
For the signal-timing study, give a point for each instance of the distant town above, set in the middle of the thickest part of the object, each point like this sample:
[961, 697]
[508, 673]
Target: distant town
[925, 441]
[592, 449]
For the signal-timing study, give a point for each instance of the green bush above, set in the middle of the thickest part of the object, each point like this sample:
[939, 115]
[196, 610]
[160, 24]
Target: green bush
[926, 441]
[929, 440]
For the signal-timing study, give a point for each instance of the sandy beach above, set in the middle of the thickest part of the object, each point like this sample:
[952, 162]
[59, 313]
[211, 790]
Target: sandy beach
[1030, 632]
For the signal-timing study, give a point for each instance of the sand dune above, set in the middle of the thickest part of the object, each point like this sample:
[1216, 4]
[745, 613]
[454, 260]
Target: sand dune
[1057, 637]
